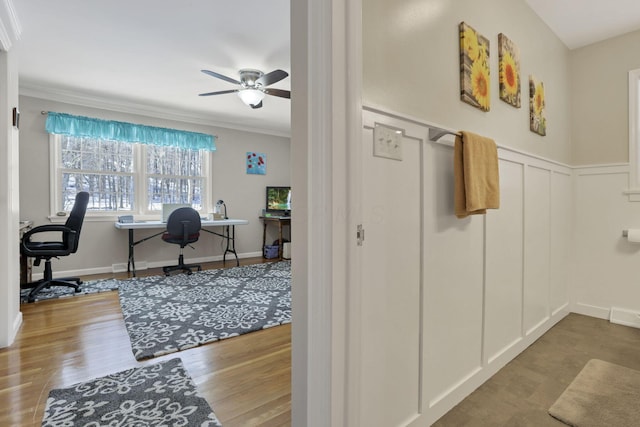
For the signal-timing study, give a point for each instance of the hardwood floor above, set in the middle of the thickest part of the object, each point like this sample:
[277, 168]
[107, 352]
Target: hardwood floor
[245, 379]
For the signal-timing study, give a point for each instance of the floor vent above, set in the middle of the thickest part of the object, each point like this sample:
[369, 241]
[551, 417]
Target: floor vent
[625, 317]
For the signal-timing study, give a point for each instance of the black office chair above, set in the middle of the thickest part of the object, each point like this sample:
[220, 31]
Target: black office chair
[66, 245]
[183, 227]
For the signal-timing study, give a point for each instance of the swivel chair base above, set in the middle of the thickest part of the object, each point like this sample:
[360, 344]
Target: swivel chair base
[48, 281]
[186, 268]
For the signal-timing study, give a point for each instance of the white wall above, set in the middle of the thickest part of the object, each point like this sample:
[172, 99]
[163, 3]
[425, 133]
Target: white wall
[606, 270]
[10, 317]
[605, 265]
[101, 245]
[447, 302]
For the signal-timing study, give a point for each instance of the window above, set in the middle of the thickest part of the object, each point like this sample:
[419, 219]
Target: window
[124, 177]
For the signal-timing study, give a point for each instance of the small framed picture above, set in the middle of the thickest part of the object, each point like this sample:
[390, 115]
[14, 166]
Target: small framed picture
[509, 65]
[256, 163]
[475, 83]
[538, 121]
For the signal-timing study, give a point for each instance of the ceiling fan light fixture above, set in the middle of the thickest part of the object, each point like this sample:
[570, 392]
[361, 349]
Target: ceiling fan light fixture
[251, 96]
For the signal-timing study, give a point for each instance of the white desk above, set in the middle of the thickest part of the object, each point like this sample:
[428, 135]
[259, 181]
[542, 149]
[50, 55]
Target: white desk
[228, 233]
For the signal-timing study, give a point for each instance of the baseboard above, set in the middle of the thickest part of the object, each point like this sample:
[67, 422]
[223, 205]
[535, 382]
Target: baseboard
[141, 265]
[15, 327]
[591, 310]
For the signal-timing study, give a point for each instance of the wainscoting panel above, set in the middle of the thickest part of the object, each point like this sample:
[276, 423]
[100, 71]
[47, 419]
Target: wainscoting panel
[537, 239]
[504, 264]
[391, 293]
[446, 302]
[560, 240]
[453, 276]
[607, 266]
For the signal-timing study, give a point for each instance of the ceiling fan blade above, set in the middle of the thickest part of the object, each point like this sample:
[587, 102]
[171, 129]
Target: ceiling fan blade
[220, 92]
[220, 76]
[258, 105]
[272, 77]
[278, 92]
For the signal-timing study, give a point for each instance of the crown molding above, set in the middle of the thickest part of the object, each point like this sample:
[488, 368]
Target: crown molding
[122, 106]
[10, 28]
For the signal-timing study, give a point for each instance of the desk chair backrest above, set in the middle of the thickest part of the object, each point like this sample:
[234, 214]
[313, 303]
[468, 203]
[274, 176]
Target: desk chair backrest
[75, 220]
[183, 227]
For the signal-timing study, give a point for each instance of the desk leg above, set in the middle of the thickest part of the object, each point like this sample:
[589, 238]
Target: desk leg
[281, 243]
[264, 237]
[231, 243]
[131, 264]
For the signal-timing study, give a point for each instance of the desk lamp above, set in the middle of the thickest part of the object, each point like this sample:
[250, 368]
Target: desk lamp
[221, 203]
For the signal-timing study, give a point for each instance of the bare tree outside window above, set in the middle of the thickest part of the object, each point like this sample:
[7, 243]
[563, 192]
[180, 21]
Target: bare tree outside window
[109, 172]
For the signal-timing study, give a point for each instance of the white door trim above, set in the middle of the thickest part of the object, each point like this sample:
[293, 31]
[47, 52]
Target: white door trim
[326, 116]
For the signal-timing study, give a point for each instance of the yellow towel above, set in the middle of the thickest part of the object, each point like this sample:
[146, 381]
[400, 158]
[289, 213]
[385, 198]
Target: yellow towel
[476, 176]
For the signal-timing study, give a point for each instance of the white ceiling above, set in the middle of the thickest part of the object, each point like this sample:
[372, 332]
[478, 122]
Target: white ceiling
[580, 23]
[147, 55]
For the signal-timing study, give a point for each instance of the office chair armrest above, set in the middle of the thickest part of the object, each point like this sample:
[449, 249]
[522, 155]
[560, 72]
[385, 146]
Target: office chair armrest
[47, 228]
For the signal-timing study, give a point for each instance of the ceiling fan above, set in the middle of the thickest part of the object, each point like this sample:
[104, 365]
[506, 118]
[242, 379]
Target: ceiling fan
[253, 85]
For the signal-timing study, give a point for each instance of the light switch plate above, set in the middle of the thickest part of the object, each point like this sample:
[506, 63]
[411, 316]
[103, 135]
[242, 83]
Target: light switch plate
[387, 142]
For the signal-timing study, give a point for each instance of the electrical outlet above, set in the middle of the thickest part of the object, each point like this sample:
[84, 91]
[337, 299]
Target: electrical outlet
[387, 142]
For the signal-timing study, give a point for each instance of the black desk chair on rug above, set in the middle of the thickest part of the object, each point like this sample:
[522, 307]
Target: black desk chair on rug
[183, 227]
[45, 250]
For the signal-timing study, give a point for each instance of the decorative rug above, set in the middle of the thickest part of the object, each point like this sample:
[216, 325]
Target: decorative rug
[165, 314]
[603, 394]
[162, 394]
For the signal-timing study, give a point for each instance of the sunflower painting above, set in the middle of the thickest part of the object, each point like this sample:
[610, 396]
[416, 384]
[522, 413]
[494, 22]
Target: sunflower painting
[475, 87]
[538, 123]
[509, 61]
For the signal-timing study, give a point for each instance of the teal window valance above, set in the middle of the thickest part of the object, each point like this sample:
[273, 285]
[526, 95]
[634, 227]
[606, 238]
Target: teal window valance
[67, 124]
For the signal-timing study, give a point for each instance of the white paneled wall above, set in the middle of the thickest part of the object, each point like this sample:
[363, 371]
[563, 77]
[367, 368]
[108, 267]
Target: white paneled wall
[391, 303]
[606, 266]
[447, 302]
[453, 281]
[537, 233]
[560, 246]
[504, 264]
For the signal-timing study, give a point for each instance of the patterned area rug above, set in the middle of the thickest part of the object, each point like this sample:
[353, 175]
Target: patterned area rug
[168, 314]
[162, 394]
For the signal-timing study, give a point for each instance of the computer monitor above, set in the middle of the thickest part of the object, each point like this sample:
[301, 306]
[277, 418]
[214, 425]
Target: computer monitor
[167, 208]
[278, 200]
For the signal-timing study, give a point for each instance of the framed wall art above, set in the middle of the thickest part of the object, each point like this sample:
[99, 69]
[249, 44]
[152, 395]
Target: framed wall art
[509, 65]
[475, 86]
[538, 122]
[256, 163]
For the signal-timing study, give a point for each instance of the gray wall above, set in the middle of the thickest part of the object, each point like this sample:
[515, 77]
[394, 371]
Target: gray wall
[600, 99]
[101, 244]
[411, 66]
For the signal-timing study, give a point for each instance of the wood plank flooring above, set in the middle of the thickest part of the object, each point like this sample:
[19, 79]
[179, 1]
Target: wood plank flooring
[245, 379]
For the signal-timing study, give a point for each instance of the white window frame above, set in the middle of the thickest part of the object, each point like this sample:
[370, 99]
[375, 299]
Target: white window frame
[634, 134]
[140, 186]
